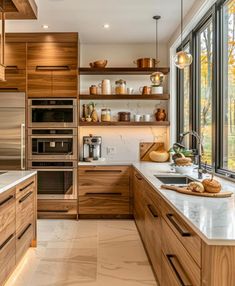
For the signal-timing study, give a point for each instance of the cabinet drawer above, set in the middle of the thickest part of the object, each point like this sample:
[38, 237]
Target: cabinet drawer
[104, 171]
[48, 207]
[24, 210]
[39, 83]
[185, 268]
[64, 83]
[24, 240]
[15, 81]
[52, 54]
[104, 205]
[7, 215]
[24, 187]
[185, 234]
[7, 258]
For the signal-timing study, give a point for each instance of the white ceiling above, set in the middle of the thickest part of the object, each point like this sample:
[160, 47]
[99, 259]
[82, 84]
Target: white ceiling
[130, 20]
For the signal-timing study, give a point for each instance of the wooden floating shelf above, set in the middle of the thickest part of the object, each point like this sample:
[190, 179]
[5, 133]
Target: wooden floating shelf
[121, 123]
[122, 71]
[124, 97]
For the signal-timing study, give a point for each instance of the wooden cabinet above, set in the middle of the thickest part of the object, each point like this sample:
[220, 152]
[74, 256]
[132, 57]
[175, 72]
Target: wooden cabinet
[17, 225]
[57, 209]
[52, 69]
[104, 190]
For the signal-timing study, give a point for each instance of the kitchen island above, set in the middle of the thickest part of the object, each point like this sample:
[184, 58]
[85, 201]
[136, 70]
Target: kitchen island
[18, 218]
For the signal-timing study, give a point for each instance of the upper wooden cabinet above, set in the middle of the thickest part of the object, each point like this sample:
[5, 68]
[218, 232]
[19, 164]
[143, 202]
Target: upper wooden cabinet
[15, 56]
[53, 55]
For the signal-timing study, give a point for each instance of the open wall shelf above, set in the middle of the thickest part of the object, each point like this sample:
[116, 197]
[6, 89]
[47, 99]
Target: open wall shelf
[119, 123]
[122, 71]
[124, 97]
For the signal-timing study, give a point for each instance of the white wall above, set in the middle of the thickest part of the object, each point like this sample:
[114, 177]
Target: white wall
[126, 140]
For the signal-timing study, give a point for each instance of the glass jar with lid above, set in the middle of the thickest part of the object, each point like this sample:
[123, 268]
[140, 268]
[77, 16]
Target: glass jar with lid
[106, 115]
[120, 87]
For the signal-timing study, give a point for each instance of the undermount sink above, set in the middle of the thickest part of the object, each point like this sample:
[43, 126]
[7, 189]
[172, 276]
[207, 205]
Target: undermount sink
[1, 173]
[174, 180]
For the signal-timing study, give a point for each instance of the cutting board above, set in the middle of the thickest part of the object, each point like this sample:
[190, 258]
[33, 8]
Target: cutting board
[189, 192]
[147, 147]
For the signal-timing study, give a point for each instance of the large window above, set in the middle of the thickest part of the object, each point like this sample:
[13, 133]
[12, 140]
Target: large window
[205, 68]
[186, 95]
[229, 85]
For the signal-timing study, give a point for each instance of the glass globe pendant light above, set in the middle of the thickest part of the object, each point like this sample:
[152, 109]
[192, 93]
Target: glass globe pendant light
[157, 78]
[182, 59]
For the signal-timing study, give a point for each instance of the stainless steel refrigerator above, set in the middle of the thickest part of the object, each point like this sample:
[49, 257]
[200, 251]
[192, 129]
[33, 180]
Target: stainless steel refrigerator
[12, 131]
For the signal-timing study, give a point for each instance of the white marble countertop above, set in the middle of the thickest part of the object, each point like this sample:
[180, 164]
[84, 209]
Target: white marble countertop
[213, 219]
[12, 178]
[105, 163]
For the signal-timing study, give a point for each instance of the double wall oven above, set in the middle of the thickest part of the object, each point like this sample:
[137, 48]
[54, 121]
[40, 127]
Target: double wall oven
[52, 146]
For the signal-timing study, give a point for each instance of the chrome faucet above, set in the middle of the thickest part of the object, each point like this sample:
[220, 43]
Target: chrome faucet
[200, 148]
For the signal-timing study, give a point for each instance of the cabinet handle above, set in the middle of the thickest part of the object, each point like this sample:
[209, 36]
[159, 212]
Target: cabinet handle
[153, 211]
[54, 211]
[6, 200]
[103, 171]
[25, 197]
[25, 187]
[179, 227]
[103, 194]
[178, 270]
[23, 233]
[139, 178]
[9, 89]
[52, 68]
[12, 67]
[6, 241]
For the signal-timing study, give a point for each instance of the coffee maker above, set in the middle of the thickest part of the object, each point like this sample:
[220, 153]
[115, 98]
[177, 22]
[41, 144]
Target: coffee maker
[91, 148]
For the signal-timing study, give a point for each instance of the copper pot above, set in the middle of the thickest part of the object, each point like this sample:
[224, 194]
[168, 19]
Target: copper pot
[145, 63]
[124, 116]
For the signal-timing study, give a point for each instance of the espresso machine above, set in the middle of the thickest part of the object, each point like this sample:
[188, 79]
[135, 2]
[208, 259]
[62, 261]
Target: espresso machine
[91, 148]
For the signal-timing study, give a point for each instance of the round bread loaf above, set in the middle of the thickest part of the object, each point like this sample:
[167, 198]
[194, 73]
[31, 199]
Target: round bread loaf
[183, 161]
[211, 185]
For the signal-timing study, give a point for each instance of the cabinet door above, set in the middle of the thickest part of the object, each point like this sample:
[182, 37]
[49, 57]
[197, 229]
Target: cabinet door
[52, 55]
[15, 81]
[168, 278]
[15, 55]
[39, 83]
[64, 83]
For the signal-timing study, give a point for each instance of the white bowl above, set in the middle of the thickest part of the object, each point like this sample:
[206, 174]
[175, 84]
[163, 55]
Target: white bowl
[184, 169]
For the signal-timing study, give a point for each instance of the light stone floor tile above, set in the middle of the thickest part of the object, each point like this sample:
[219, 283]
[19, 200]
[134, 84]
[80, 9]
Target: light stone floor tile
[85, 253]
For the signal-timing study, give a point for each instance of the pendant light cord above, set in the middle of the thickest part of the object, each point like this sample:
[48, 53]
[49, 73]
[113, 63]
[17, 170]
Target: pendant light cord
[182, 7]
[156, 42]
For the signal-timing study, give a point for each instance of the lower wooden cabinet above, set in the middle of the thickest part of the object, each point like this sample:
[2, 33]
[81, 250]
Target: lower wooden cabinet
[57, 209]
[104, 190]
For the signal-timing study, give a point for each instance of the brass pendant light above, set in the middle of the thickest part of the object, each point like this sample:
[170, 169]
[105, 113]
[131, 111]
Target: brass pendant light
[157, 78]
[2, 66]
[182, 59]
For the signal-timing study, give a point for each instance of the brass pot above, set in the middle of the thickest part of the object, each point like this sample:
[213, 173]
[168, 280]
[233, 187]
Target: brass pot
[145, 63]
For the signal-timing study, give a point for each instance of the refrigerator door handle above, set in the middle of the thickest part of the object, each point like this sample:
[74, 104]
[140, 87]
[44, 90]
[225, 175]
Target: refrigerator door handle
[22, 146]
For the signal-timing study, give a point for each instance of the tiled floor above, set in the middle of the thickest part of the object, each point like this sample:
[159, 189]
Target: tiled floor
[86, 253]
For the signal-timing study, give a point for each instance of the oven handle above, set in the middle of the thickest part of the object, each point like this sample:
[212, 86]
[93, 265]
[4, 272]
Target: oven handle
[52, 106]
[22, 146]
[53, 136]
[52, 169]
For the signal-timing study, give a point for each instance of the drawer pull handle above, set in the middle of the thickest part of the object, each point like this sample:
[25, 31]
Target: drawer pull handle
[54, 211]
[153, 211]
[9, 89]
[12, 67]
[103, 171]
[53, 68]
[25, 187]
[25, 197]
[6, 241]
[103, 194]
[178, 270]
[180, 228]
[7, 200]
[24, 232]
[139, 178]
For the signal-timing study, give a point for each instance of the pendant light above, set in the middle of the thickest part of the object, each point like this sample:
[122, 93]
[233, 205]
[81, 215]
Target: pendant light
[182, 59]
[157, 77]
[2, 57]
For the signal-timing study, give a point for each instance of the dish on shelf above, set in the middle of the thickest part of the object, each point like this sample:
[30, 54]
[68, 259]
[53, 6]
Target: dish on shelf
[99, 64]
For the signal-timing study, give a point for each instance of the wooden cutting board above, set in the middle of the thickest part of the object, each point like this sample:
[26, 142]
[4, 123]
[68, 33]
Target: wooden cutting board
[147, 147]
[189, 192]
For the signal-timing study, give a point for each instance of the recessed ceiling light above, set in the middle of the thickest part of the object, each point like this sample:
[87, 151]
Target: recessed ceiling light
[106, 26]
[45, 27]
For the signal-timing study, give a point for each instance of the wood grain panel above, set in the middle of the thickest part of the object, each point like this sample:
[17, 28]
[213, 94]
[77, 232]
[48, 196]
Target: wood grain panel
[52, 55]
[104, 205]
[173, 247]
[146, 148]
[24, 239]
[168, 278]
[25, 187]
[192, 241]
[64, 83]
[26, 9]
[15, 81]
[15, 55]
[218, 264]
[39, 83]
[57, 208]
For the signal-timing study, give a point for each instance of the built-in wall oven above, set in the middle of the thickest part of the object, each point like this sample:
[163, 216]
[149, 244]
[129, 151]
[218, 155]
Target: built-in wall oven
[56, 179]
[47, 143]
[54, 112]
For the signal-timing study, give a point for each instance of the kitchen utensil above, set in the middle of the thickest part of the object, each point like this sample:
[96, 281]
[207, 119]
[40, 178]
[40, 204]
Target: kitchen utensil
[137, 117]
[146, 117]
[186, 191]
[93, 89]
[99, 64]
[145, 63]
[147, 147]
[124, 116]
[130, 90]
[160, 114]
[105, 86]
[145, 90]
[105, 115]
[120, 87]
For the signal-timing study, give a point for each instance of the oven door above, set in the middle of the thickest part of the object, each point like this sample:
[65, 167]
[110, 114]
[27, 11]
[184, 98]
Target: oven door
[52, 113]
[55, 183]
